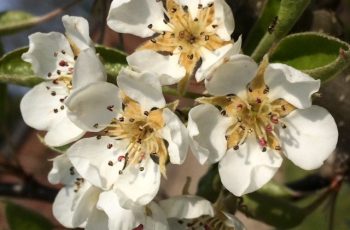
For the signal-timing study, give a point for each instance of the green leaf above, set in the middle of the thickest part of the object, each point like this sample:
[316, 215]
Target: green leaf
[20, 218]
[288, 14]
[113, 61]
[272, 210]
[209, 185]
[277, 190]
[318, 55]
[16, 71]
[14, 21]
[259, 29]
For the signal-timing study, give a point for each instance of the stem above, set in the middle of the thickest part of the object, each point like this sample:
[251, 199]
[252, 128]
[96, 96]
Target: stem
[332, 211]
[56, 12]
[333, 188]
[288, 14]
[28, 190]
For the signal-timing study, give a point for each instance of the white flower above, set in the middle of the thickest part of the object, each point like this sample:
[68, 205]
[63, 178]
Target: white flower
[189, 35]
[192, 212]
[139, 135]
[79, 204]
[255, 115]
[53, 57]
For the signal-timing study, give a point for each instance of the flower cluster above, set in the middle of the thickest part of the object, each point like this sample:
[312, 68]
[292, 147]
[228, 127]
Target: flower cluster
[122, 136]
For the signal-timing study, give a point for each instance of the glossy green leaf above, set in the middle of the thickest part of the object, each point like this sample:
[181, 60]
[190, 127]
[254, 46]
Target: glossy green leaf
[209, 185]
[272, 210]
[319, 55]
[14, 21]
[113, 60]
[20, 218]
[16, 71]
[261, 26]
[288, 14]
[276, 190]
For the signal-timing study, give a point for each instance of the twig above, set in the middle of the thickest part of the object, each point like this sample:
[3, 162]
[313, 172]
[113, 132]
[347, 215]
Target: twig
[30, 189]
[56, 12]
[332, 210]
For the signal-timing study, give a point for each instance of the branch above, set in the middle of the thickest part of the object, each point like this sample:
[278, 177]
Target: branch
[30, 189]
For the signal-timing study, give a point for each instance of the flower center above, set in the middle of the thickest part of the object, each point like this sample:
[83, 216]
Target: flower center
[187, 35]
[141, 129]
[260, 118]
[256, 114]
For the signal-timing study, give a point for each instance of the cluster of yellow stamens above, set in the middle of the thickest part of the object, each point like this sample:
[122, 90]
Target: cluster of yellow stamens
[141, 129]
[187, 36]
[256, 114]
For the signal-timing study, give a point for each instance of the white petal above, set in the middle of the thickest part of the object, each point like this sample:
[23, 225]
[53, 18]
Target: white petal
[62, 171]
[141, 87]
[290, 84]
[310, 137]
[88, 69]
[137, 187]
[77, 31]
[86, 206]
[175, 133]
[158, 220]
[186, 207]
[166, 67]
[91, 158]
[118, 217]
[97, 220]
[45, 53]
[224, 19]
[94, 106]
[37, 106]
[66, 201]
[233, 222]
[247, 169]
[43, 109]
[193, 5]
[212, 60]
[63, 132]
[134, 16]
[207, 128]
[232, 76]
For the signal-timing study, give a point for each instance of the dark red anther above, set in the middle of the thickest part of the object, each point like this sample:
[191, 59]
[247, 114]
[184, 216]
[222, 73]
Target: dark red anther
[110, 108]
[140, 227]
[262, 142]
[121, 158]
[63, 63]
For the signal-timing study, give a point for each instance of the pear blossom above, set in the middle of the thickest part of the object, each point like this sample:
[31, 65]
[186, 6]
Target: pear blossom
[193, 212]
[57, 59]
[137, 133]
[256, 115]
[80, 204]
[187, 36]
